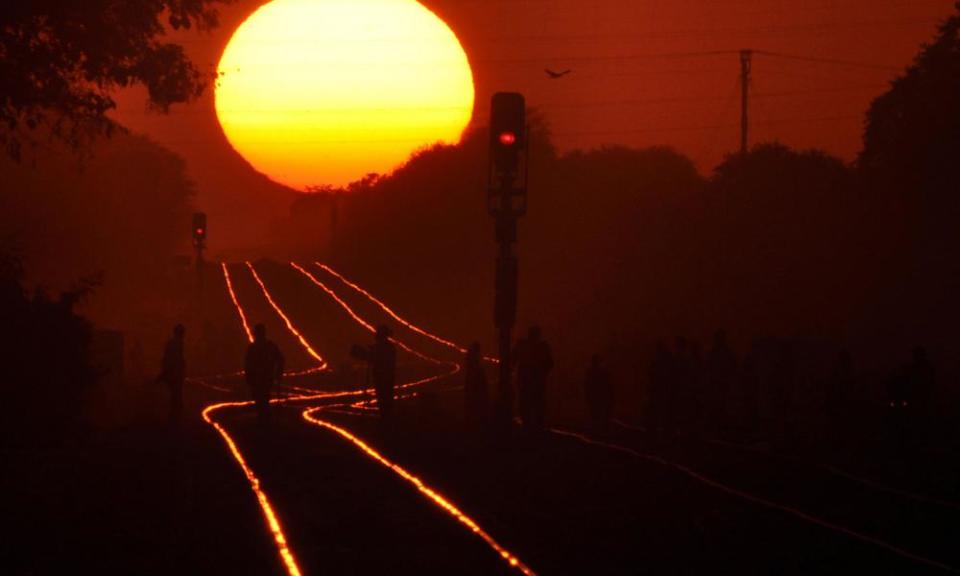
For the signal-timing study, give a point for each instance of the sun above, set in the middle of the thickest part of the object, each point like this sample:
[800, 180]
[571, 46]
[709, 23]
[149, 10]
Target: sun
[323, 92]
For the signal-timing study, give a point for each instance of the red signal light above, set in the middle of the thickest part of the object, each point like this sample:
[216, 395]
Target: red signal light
[508, 138]
[199, 231]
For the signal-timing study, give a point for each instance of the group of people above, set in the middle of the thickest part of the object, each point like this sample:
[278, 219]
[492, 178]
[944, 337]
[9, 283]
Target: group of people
[686, 391]
[381, 359]
[534, 362]
[682, 384]
[781, 389]
[263, 368]
[532, 359]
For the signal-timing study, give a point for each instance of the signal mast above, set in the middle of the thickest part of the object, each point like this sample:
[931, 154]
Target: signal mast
[507, 203]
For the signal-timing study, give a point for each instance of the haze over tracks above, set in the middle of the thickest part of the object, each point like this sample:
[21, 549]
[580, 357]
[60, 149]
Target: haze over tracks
[273, 522]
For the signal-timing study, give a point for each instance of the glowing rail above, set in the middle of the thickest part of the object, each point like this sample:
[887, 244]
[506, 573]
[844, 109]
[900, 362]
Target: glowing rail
[796, 513]
[236, 303]
[246, 329]
[299, 389]
[389, 311]
[286, 554]
[898, 491]
[273, 523]
[360, 320]
[456, 513]
[290, 327]
[348, 410]
[430, 493]
[288, 373]
[305, 372]
[203, 382]
[922, 498]
[271, 517]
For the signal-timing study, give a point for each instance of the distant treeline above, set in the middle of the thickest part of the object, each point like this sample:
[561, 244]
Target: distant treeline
[622, 246]
[116, 213]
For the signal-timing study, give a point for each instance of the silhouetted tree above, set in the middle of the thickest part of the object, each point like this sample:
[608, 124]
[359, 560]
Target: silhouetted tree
[45, 360]
[779, 242]
[124, 213]
[912, 134]
[60, 61]
[909, 167]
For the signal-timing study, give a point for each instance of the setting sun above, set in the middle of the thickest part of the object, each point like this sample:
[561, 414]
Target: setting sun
[322, 92]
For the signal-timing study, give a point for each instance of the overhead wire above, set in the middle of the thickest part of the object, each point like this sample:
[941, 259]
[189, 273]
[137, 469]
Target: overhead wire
[710, 142]
[832, 61]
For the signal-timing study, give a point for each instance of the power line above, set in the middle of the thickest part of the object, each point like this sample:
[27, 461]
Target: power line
[699, 128]
[853, 88]
[627, 102]
[710, 141]
[684, 55]
[611, 58]
[833, 61]
[686, 32]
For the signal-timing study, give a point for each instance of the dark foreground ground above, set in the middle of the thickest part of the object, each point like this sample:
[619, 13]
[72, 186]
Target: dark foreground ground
[151, 500]
[146, 498]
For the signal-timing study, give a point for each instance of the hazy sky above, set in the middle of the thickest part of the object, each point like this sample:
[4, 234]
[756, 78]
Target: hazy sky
[639, 76]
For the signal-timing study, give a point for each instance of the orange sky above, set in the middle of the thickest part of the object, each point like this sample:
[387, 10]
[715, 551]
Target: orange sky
[633, 81]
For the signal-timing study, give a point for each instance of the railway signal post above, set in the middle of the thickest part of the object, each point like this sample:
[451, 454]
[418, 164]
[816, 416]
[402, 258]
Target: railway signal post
[199, 245]
[507, 202]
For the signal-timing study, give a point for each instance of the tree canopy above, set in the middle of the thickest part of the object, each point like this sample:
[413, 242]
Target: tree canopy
[61, 59]
[912, 135]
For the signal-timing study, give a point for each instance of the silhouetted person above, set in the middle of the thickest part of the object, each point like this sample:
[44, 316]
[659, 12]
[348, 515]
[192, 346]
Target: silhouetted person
[660, 409]
[476, 399]
[696, 378]
[910, 393]
[264, 368]
[837, 404]
[782, 384]
[749, 394]
[534, 362]
[173, 371]
[137, 368]
[598, 390]
[681, 383]
[382, 357]
[921, 379]
[722, 377]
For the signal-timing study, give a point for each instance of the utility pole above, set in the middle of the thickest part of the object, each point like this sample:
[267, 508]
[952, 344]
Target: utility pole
[746, 64]
[506, 202]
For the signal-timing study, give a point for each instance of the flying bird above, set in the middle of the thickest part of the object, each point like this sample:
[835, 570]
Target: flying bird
[556, 75]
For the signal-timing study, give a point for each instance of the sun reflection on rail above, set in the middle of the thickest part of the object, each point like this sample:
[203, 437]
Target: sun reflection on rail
[273, 522]
[430, 493]
[246, 328]
[310, 416]
[236, 303]
[283, 316]
[365, 403]
[360, 320]
[795, 512]
[289, 561]
[390, 311]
